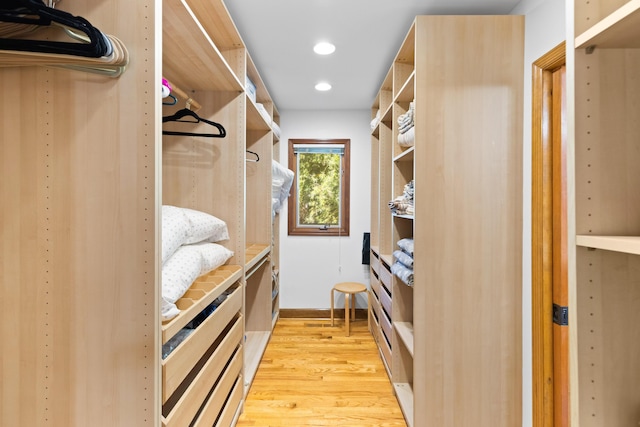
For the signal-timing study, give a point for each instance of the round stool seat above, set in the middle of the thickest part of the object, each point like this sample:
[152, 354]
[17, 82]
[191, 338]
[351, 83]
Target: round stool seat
[348, 288]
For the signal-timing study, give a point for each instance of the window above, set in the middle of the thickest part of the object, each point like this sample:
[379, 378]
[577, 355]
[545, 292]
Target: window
[319, 200]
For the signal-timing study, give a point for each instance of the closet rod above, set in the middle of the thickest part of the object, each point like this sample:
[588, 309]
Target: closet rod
[192, 104]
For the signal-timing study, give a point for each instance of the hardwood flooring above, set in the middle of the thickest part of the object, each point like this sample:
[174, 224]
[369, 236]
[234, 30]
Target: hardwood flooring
[313, 375]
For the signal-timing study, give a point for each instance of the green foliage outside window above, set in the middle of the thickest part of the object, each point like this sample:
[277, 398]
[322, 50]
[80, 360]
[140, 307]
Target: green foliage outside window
[319, 188]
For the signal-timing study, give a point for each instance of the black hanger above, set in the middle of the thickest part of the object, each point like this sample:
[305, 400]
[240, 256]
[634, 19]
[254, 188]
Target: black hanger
[185, 112]
[257, 159]
[34, 12]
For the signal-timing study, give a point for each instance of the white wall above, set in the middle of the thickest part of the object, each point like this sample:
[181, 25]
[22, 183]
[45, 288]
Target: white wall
[544, 30]
[310, 266]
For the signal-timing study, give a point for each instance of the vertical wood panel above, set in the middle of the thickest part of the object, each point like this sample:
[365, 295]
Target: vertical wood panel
[468, 245]
[79, 210]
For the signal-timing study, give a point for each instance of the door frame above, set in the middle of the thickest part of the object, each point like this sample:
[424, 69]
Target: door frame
[542, 236]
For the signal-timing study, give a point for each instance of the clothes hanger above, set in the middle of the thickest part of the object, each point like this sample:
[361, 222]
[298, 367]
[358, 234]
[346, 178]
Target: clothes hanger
[33, 12]
[187, 113]
[257, 159]
[173, 101]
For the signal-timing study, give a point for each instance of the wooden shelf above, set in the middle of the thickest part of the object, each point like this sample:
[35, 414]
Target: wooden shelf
[625, 244]
[403, 216]
[190, 58]
[202, 293]
[405, 332]
[621, 29]
[255, 345]
[404, 394]
[407, 91]
[405, 156]
[255, 120]
[255, 253]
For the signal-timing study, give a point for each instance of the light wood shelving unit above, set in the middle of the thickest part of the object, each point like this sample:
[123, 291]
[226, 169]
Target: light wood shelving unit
[604, 230]
[85, 171]
[452, 349]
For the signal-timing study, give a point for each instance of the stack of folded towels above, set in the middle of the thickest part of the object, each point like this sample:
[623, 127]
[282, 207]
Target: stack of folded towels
[406, 132]
[403, 205]
[403, 265]
[375, 120]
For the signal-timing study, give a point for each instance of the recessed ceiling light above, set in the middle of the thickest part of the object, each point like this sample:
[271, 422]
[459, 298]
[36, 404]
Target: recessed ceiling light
[323, 86]
[324, 48]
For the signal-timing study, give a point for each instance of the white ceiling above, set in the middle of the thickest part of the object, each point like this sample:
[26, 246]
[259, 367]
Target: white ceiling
[280, 35]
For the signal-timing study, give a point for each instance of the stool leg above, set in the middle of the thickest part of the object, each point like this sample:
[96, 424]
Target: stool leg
[353, 306]
[346, 311]
[332, 307]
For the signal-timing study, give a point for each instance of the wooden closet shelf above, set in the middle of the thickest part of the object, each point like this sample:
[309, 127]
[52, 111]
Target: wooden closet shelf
[625, 244]
[621, 29]
[405, 156]
[201, 293]
[404, 393]
[190, 58]
[254, 253]
[407, 91]
[405, 331]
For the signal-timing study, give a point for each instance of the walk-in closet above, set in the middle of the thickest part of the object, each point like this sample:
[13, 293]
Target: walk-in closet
[148, 274]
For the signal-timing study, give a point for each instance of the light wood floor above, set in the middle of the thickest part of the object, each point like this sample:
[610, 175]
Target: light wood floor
[313, 375]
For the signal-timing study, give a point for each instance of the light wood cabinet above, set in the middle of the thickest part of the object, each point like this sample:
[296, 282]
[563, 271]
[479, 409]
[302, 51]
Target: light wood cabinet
[453, 351]
[604, 218]
[85, 170]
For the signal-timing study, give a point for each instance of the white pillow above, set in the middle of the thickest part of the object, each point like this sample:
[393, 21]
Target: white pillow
[168, 310]
[213, 256]
[175, 230]
[205, 227]
[179, 272]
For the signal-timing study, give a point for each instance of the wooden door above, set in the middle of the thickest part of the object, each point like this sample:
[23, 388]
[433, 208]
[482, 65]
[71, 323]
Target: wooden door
[549, 242]
[560, 235]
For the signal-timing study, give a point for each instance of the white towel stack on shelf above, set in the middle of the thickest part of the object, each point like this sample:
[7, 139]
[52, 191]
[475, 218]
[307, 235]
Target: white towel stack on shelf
[375, 120]
[406, 133]
[403, 205]
[403, 266]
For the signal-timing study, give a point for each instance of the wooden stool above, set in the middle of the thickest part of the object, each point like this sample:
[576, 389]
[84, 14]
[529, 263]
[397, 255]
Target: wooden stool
[348, 288]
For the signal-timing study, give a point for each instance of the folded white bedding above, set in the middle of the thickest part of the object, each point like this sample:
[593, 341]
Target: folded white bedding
[282, 179]
[184, 267]
[182, 226]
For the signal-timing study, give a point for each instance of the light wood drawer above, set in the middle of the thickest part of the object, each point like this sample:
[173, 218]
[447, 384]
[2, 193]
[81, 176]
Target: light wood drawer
[385, 324]
[375, 287]
[374, 304]
[374, 262]
[193, 397]
[231, 408]
[216, 402]
[385, 301]
[385, 348]
[180, 362]
[385, 277]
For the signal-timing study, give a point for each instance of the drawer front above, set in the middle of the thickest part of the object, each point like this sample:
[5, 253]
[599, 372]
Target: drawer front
[375, 287]
[385, 301]
[374, 305]
[385, 324]
[180, 362]
[219, 396]
[385, 277]
[195, 395]
[231, 408]
[385, 349]
[375, 263]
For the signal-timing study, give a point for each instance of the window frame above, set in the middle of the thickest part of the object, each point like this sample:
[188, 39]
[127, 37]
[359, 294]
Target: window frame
[293, 228]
